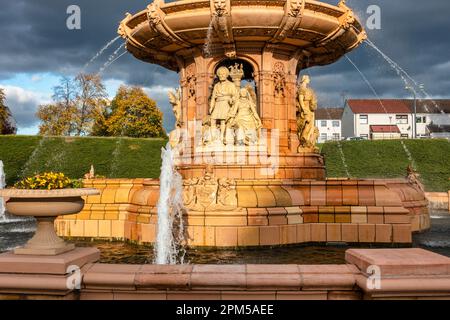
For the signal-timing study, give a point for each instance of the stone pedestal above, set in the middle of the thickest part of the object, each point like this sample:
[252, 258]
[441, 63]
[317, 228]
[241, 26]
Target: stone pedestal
[56, 277]
[401, 273]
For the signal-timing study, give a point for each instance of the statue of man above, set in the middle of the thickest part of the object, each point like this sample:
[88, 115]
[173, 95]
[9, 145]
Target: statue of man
[223, 98]
[306, 106]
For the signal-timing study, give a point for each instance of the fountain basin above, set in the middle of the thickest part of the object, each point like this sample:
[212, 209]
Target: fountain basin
[45, 206]
[164, 30]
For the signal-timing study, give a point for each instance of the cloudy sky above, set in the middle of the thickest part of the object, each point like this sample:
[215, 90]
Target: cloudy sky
[37, 49]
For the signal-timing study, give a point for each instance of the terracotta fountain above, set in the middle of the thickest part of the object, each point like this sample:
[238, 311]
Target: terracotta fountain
[245, 123]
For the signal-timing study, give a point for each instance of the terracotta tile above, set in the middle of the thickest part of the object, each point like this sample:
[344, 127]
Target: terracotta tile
[366, 195]
[306, 194]
[269, 235]
[246, 197]
[223, 221]
[282, 197]
[310, 217]
[318, 195]
[248, 236]
[288, 234]
[277, 211]
[343, 218]
[401, 233]
[333, 232]
[318, 232]
[295, 219]
[375, 218]
[273, 281]
[350, 196]
[293, 210]
[326, 218]
[396, 219]
[383, 233]
[226, 236]
[386, 197]
[257, 221]
[257, 211]
[366, 233]
[265, 197]
[302, 295]
[350, 233]
[334, 195]
[246, 295]
[104, 229]
[296, 195]
[277, 220]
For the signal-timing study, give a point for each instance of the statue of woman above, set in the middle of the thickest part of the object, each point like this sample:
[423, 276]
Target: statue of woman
[223, 99]
[306, 106]
[245, 119]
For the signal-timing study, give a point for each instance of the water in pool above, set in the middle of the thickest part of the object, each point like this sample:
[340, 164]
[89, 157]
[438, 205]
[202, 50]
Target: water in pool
[16, 231]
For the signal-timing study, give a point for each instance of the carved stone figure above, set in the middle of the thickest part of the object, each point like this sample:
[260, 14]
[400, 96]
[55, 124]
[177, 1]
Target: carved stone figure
[210, 193]
[306, 106]
[175, 100]
[223, 99]
[279, 79]
[244, 118]
[227, 195]
[236, 74]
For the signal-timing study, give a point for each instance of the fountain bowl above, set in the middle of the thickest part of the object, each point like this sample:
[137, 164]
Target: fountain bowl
[45, 206]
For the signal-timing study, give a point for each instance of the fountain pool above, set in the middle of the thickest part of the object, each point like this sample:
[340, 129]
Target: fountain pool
[16, 232]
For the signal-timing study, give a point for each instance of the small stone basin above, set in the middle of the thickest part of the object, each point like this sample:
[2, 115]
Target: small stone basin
[45, 206]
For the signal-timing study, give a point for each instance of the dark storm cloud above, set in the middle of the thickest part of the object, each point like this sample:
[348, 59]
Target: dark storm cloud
[414, 33]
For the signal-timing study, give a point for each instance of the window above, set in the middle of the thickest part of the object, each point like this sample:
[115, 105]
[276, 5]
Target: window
[323, 137]
[401, 119]
[336, 136]
[365, 136]
[363, 119]
[421, 119]
[404, 136]
[323, 123]
[336, 124]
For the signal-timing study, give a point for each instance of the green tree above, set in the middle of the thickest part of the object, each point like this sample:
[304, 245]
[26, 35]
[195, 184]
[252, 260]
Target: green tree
[134, 114]
[90, 101]
[56, 119]
[77, 104]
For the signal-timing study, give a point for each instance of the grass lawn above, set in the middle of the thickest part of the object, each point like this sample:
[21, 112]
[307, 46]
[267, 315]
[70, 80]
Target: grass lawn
[140, 158]
[111, 157]
[389, 159]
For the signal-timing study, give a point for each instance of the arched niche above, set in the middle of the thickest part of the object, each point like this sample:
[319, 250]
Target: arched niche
[248, 67]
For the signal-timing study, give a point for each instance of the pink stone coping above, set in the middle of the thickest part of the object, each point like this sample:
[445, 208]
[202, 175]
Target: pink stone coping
[400, 262]
[58, 193]
[55, 265]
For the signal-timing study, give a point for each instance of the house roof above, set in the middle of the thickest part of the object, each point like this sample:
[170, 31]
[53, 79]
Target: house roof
[385, 129]
[329, 113]
[359, 106]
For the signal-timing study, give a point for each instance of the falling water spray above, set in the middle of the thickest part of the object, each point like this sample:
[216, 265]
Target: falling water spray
[170, 228]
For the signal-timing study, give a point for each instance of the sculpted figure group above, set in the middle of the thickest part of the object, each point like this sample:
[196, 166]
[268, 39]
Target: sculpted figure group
[233, 115]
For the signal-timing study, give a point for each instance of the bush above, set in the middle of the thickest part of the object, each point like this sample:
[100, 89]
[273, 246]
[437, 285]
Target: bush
[48, 181]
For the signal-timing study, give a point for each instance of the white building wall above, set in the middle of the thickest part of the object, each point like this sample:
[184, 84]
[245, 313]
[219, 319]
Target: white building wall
[328, 130]
[382, 119]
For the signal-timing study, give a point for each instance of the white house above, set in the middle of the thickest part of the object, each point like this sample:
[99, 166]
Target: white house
[329, 122]
[394, 119]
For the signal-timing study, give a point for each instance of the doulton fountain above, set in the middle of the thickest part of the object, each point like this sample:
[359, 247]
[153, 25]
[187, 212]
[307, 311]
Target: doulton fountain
[245, 134]
[244, 146]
